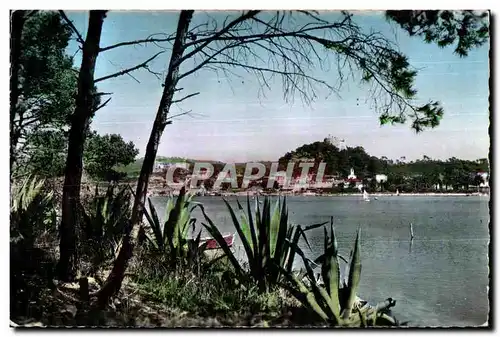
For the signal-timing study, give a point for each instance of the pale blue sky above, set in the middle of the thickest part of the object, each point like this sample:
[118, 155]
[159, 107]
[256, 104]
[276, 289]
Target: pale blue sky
[231, 122]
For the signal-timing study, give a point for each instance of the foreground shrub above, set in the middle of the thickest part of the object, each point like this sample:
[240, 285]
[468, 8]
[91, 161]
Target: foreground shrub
[335, 301]
[267, 241]
[105, 217]
[32, 214]
[170, 238]
[32, 211]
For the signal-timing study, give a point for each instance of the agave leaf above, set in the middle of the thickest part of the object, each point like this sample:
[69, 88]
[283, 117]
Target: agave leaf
[263, 240]
[214, 232]
[171, 226]
[320, 294]
[334, 237]
[309, 227]
[155, 225]
[239, 229]
[331, 273]
[183, 225]
[281, 252]
[354, 277]
[274, 227]
[307, 265]
[168, 210]
[244, 223]
[303, 230]
[302, 293]
[331, 303]
[253, 233]
[295, 236]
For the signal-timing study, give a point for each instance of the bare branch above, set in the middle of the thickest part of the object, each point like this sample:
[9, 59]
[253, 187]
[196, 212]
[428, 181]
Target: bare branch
[127, 71]
[149, 39]
[102, 105]
[179, 114]
[291, 49]
[98, 94]
[132, 77]
[186, 97]
[218, 34]
[156, 74]
[72, 26]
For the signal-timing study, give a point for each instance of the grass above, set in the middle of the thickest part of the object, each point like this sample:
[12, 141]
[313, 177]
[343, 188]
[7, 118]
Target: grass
[214, 292]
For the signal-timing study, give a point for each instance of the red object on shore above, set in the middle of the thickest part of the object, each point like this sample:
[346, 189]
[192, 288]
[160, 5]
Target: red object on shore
[212, 243]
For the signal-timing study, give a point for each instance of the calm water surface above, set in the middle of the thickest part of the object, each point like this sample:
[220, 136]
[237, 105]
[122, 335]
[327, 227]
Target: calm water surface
[439, 280]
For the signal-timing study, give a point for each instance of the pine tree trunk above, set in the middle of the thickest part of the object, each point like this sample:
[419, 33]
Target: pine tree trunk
[16, 30]
[114, 281]
[74, 161]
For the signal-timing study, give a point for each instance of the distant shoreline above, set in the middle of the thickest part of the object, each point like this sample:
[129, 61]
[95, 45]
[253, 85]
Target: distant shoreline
[372, 195]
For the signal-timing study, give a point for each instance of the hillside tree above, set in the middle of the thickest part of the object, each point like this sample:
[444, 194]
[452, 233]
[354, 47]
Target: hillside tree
[43, 81]
[104, 152]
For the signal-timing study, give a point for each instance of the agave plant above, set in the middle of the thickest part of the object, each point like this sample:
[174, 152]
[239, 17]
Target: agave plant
[105, 219]
[32, 210]
[336, 301]
[266, 240]
[172, 236]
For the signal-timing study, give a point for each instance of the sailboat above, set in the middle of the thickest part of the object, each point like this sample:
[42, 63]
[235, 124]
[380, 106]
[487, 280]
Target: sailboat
[397, 192]
[365, 196]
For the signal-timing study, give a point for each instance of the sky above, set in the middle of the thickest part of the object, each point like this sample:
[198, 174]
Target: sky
[232, 121]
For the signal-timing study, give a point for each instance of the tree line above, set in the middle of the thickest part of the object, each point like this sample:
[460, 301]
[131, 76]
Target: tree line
[421, 175]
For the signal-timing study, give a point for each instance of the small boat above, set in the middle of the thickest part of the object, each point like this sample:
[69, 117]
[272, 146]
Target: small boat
[211, 243]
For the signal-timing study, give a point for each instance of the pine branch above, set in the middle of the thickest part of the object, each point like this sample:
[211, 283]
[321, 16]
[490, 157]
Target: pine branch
[79, 37]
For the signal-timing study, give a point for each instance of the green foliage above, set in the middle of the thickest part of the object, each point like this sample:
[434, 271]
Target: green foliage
[32, 219]
[419, 175]
[213, 293]
[468, 29]
[47, 153]
[104, 222]
[172, 236]
[102, 153]
[47, 80]
[131, 170]
[335, 301]
[388, 71]
[48, 85]
[266, 241]
[32, 210]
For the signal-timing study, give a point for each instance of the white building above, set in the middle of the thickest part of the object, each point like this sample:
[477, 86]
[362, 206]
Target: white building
[160, 166]
[380, 178]
[352, 176]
